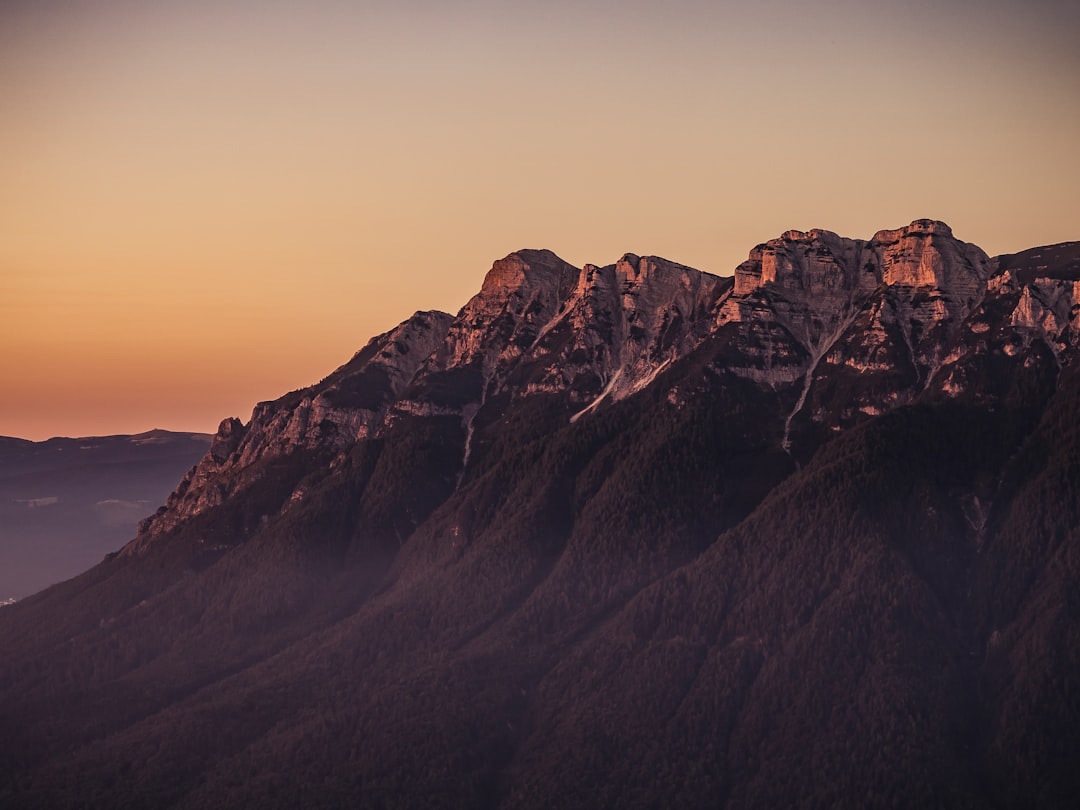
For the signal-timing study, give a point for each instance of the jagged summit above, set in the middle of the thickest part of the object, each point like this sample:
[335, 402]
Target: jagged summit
[527, 268]
[925, 226]
[923, 254]
[836, 330]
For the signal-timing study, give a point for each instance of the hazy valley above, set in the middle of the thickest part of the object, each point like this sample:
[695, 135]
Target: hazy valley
[66, 503]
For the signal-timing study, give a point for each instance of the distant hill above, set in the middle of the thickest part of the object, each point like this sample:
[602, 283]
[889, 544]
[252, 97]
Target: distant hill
[65, 503]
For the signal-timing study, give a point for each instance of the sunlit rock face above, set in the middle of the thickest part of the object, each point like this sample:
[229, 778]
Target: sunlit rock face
[349, 405]
[821, 264]
[829, 330]
[821, 311]
[520, 294]
[619, 327]
[815, 281]
[555, 329]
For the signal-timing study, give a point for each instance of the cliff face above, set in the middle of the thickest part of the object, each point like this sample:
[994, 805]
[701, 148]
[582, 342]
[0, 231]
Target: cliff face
[886, 311]
[833, 329]
[538, 326]
[348, 406]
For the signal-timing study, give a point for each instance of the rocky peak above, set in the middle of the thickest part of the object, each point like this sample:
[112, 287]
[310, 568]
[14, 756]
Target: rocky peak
[638, 270]
[814, 304]
[536, 310]
[622, 324]
[926, 227]
[520, 293]
[817, 262]
[926, 254]
[823, 273]
[923, 254]
[524, 271]
[229, 434]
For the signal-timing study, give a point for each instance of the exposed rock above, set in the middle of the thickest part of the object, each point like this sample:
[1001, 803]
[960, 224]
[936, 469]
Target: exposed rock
[810, 301]
[835, 330]
[228, 437]
[519, 296]
[349, 405]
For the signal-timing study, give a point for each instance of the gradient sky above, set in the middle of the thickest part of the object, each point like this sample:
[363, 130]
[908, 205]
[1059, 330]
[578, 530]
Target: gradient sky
[206, 204]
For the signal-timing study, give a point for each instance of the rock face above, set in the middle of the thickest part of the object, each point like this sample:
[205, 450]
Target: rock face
[538, 326]
[838, 329]
[832, 306]
[349, 405]
[631, 535]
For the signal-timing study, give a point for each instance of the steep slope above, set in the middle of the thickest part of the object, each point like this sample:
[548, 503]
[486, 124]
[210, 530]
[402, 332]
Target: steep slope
[620, 536]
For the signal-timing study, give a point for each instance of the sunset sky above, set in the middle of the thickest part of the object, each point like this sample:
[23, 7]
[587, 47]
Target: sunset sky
[206, 204]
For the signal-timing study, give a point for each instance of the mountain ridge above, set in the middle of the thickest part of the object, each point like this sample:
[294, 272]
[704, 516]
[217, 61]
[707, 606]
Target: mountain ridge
[551, 328]
[592, 542]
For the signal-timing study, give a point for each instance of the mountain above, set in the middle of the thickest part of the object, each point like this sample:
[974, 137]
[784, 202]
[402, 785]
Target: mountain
[66, 503]
[625, 536]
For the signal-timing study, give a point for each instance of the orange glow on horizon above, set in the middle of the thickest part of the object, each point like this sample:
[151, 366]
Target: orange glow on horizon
[205, 206]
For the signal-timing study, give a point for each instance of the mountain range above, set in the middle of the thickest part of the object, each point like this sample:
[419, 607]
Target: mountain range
[620, 536]
[65, 503]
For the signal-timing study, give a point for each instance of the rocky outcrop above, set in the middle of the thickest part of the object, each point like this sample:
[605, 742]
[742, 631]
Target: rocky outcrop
[349, 405]
[815, 283]
[814, 308]
[1026, 327]
[520, 295]
[621, 325]
[228, 437]
[539, 325]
